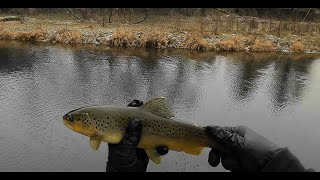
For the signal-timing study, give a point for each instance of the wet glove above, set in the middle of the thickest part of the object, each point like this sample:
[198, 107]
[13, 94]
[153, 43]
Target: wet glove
[240, 149]
[125, 156]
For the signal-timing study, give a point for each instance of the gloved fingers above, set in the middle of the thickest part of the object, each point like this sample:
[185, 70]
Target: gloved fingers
[230, 163]
[142, 155]
[215, 132]
[135, 103]
[162, 150]
[240, 130]
[133, 134]
[224, 138]
[214, 158]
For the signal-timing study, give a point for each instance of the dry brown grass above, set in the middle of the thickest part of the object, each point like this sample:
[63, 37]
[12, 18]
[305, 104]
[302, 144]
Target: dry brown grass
[263, 46]
[122, 38]
[36, 35]
[155, 39]
[236, 43]
[67, 36]
[194, 40]
[25, 36]
[164, 32]
[39, 35]
[4, 34]
[297, 46]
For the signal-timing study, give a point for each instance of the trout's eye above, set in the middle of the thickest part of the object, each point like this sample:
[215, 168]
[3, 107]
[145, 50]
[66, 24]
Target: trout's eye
[69, 117]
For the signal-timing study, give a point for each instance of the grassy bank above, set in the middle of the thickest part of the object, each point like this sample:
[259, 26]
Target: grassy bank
[214, 32]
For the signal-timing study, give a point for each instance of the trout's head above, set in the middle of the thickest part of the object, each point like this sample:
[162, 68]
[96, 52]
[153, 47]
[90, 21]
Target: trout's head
[79, 121]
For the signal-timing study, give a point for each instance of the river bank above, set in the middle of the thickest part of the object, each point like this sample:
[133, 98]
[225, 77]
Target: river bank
[199, 33]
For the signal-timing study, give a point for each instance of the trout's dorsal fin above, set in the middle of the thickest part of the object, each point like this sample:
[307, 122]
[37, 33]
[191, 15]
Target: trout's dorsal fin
[158, 106]
[95, 142]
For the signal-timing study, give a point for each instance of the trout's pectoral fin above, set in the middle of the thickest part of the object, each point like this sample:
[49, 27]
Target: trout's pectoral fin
[153, 155]
[95, 142]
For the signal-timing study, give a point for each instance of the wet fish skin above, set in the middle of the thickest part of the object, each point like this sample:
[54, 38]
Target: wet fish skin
[160, 128]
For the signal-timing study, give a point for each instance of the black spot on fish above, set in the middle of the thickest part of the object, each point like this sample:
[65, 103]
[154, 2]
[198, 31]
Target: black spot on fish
[96, 127]
[107, 117]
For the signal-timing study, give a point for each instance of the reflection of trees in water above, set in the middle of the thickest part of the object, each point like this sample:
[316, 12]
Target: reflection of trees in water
[289, 81]
[289, 77]
[123, 78]
[245, 75]
[179, 80]
[15, 59]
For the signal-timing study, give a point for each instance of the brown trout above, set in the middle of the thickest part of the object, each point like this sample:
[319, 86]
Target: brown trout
[160, 128]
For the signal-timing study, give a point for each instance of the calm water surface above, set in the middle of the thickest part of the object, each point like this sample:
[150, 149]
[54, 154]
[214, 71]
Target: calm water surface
[277, 97]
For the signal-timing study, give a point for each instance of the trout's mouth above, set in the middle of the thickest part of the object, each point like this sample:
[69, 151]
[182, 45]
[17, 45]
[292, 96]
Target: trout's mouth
[68, 124]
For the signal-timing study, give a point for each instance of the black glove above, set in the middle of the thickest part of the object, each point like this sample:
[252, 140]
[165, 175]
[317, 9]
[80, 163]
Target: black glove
[125, 156]
[162, 150]
[240, 149]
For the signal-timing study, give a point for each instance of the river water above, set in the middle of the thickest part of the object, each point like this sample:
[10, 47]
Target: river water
[277, 95]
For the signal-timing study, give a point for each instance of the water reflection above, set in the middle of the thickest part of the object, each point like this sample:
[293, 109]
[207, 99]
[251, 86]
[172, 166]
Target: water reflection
[289, 81]
[246, 71]
[289, 77]
[39, 83]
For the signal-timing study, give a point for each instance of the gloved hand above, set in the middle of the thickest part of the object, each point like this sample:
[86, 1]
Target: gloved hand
[240, 149]
[125, 156]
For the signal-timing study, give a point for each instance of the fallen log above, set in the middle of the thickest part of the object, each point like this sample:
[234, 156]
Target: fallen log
[11, 18]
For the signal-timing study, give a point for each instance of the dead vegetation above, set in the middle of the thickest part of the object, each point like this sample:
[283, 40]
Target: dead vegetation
[233, 44]
[38, 35]
[214, 31]
[195, 41]
[122, 38]
[263, 46]
[67, 36]
[297, 47]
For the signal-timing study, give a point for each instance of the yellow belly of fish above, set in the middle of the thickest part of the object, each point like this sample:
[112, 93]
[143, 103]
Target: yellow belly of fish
[188, 145]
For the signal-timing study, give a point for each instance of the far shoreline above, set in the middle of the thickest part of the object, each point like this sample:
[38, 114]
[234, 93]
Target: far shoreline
[150, 54]
[163, 36]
